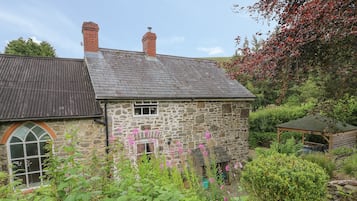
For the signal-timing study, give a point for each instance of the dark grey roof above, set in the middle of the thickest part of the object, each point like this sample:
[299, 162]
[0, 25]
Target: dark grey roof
[118, 74]
[45, 88]
[319, 124]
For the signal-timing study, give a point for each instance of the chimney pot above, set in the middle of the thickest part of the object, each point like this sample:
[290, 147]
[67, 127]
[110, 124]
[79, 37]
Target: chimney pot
[90, 36]
[149, 43]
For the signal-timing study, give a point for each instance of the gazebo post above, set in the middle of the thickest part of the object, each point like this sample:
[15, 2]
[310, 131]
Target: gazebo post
[303, 138]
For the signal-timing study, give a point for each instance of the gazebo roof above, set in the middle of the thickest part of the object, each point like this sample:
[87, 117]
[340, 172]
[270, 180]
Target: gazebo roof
[317, 123]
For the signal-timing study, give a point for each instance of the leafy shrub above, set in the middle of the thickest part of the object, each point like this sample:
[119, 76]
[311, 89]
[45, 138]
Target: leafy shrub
[349, 165]
[341, 151]
[7, 192]
[323, 160]
[282, 177]
[265, 120]
[290, 147]
[265, 139]
[261, 139]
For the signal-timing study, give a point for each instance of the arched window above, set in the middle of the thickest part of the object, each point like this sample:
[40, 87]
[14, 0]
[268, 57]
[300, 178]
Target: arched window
[27, 153]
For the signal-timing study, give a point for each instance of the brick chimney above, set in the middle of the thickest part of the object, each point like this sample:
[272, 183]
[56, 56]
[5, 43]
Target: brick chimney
[149, 43]
[90, 36]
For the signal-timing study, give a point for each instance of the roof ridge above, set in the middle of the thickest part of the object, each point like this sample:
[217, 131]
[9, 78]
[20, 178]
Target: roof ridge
[160, 55]
[40, 57]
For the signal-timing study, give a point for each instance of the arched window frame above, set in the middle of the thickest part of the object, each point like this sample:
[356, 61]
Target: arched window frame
[13, 131]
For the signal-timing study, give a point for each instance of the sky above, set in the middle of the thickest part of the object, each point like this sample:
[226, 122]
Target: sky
[189, 28]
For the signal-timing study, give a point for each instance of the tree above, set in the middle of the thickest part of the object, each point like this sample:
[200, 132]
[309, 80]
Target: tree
[313, 38]
[29, 48]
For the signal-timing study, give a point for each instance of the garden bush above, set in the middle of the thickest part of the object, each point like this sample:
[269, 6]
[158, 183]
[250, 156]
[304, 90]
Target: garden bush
[343, 151]
[349, 165]
[290, 147]
[283, 177]
[323, 160]
[265, 120]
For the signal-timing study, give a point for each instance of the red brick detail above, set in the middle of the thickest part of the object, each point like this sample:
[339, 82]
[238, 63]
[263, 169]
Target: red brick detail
[149, 44]
[14, 126]
[90, 36]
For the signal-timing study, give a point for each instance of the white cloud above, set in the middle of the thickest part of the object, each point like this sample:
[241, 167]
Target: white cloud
[211, 50]
[34, 39]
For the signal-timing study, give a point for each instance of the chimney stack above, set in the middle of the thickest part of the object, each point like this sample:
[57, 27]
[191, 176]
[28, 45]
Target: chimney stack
[149, 43]
[90, 36]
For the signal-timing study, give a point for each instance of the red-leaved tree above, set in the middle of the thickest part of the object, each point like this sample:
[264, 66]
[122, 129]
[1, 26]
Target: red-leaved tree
[313, 37]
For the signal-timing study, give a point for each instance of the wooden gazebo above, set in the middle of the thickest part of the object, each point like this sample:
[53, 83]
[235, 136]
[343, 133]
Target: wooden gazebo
[336, 133]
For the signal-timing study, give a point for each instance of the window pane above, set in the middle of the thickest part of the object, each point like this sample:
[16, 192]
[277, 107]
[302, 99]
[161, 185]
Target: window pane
[141, 148]
[21, 178]
[137, 111]
[17, 151]
[15, 139]
[150, 148]
[45, 137]
[21, 132]
[43, 162]
[152, 110]
[18, 166]
[145, 110]
[31, 149]
[43, 148]
[34, 179]
[30, 137]
[38, 131]
[33, 164]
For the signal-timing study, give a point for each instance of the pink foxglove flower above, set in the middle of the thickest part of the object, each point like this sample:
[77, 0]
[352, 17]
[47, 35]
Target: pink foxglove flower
[135, 131]
[119, 130]
[202, 147]
[222, 187]
[146, 132]
[208, 135]
[227, 168]
[169, 164]
[225, 199]
[112, 138]
[211, 180]
[205, 153]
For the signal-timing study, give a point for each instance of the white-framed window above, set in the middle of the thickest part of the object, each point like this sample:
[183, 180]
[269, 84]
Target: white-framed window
[146, 147]
[27, 154]
[145, 108]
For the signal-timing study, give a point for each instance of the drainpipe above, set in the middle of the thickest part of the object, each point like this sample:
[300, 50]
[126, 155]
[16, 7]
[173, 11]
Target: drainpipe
[106, 128]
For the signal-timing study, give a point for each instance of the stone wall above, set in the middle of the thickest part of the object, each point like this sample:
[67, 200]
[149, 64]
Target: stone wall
[91, 137]
[186, 122]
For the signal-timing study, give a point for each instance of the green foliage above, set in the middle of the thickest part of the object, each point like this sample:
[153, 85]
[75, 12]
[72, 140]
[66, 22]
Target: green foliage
[282, 177]
[264, 139]
[266, 120]
[345, 109]
[323, 160]
[73, 177]
[290, 147]
[261, 139]
[341, 151]
[349, 165]
[29, 48]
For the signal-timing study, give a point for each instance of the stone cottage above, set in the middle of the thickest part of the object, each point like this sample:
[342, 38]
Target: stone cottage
[150, 102]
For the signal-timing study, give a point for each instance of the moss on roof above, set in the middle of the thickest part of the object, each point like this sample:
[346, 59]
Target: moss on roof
[319, 124]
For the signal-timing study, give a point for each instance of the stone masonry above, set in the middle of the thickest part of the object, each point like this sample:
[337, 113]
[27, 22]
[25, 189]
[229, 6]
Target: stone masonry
[186, 122]
[91, 137]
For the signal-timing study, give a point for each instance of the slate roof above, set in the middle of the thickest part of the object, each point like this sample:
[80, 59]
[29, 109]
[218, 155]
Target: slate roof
[118, 74]
[318, 123]
[45, 88]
